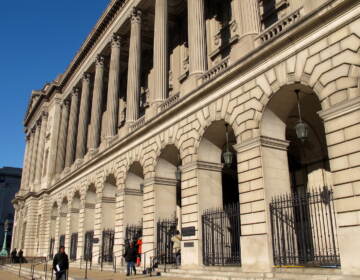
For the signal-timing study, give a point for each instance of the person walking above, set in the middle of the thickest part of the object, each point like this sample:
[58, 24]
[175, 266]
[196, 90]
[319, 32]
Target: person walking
[130, 258]
[61, 264]
[13, 255]
[176, 239]
[21, 256]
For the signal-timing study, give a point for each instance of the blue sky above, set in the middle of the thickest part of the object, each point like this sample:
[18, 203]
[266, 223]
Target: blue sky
[38, 40]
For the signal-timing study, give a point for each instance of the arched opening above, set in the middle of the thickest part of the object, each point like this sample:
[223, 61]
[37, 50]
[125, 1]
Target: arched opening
[223, 178]
[74, 225]
[306, 162]
[167, 188]
[133, 202]
[108, 218]
[62, 222]
[54, 215]
[90, 201]
[297, 177]
[219, 196]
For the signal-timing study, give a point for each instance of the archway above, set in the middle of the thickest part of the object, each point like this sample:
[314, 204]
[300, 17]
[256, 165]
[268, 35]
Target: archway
[218, 180]
[74, 225]
[108, 218]
[296, 172]
[219, 196]
[63, 221]
[54, 216]
[133, 202]
[90, 201]
[167, 201]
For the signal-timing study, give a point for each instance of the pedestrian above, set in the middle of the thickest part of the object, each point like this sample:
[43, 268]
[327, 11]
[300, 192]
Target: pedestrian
[13, 255]
[130, 258]
[21, 256]
[61, 264]
[176, 239]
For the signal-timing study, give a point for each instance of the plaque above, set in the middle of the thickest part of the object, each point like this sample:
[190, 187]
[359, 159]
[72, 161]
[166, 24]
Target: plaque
[188, 244]
[95, 240]
[188, 231]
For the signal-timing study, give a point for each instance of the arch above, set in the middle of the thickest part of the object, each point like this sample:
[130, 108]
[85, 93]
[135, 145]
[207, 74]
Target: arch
[133, 194]
[90, 196]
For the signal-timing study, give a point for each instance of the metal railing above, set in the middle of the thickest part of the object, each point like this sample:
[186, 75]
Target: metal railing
[304, 229]
[221, 236]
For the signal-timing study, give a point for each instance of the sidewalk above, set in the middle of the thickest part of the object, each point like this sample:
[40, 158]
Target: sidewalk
[5, 275]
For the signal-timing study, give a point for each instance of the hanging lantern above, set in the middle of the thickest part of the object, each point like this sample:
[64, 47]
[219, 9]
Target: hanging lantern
[178, 174]
[301, 128]
[227, 155]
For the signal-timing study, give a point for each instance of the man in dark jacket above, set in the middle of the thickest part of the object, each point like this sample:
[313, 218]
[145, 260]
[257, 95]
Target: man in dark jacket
[13, 255]
[61, 264]
[21, 256]
[130, 257]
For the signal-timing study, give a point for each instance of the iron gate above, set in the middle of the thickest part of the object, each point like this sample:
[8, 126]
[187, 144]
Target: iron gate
[89, 235]
[62, 240]
[107, 248]
[51, 248]
[73, 246]
[164, 248]
[133, 232]
[221, 236]
[304, 229]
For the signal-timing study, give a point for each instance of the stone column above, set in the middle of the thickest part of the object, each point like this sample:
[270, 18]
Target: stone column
[30, 160]
[35, 151]
[40, 154]
[97, 100]
[72, 128]
[55, 130]
[133, 85]
[60, 158]
[197, 37]
[247, 19]
[81, 142]
[161, 58]
[113, 88]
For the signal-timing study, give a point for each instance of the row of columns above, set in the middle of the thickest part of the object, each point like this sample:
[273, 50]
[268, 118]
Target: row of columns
[74, 124]
[34, 154]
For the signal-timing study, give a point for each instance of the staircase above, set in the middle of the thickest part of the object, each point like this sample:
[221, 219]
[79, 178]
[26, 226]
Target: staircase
[234, 273]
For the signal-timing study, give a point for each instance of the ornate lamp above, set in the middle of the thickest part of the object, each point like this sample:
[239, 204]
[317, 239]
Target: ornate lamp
[301, 128]
[178, 174]
[227, 155]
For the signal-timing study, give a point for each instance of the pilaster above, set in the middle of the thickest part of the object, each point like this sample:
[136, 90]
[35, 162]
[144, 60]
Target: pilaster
[60, 157]
[40, 156]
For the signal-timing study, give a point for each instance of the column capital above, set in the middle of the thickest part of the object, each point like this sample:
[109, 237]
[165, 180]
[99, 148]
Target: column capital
[66, 103]
[38, 122]
[75, 92]
[86, 76]
[45, 115]
[100, 60]
[135, 15]
[115, 41]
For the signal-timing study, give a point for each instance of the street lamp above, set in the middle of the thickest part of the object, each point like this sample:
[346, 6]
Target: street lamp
[227, 155]
[301, 128]
[4, 252]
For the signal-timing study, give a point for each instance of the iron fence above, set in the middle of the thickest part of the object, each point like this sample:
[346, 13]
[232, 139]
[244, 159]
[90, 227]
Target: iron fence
[88, 245]
[73, 246]
[133, 232]
[304, 229]
[107, 245]
[221, 236]
[164, 248]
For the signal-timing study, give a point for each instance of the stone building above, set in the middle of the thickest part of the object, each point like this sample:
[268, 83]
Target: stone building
[173, 110]
[10, 178]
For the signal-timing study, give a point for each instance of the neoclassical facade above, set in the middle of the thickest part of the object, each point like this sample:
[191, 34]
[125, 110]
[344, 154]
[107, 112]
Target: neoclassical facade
[173, 108]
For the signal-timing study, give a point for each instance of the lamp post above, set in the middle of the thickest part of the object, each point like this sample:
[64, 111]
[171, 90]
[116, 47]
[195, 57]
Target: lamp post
[301, 128]
[4, 252]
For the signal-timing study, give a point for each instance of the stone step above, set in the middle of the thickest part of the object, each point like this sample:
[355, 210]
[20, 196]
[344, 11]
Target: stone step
[237, 274]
